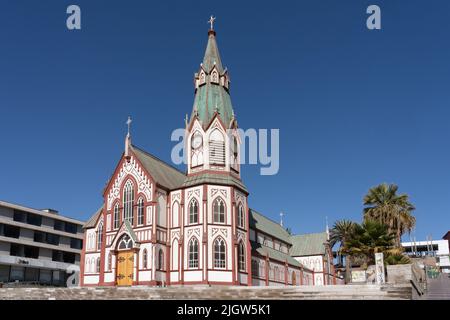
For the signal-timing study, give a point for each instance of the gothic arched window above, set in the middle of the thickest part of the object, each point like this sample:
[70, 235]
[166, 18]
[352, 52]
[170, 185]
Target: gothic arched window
[193, 212]
[98, 265]
[116, 216]
[219, 211]
[219, 254]
[255, 268]
[100, 236]
[140, 211]
[128, 200]
[145, 259]
[241, 256]
[125, 243]
[193, 253]
[240, 217]
[160, 259]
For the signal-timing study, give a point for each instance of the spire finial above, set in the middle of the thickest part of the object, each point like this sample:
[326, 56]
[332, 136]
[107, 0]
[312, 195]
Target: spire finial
[128, 140]
[327, 228]
[281, 218]
[129, 124]
[211, 22]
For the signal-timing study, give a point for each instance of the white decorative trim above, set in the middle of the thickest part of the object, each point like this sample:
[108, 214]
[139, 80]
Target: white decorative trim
[130, 168]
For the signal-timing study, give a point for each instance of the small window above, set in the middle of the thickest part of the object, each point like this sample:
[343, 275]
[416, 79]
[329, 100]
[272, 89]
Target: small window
[161, 259]
[116, 216]
[241, 254]
[193, 212]
[241, 219]
[100, 236]
[219, 254]
[125, 242]
[140, 211]
[109, 261]
[219, 211]
[145, 259]
[98, 265]
[193, 253]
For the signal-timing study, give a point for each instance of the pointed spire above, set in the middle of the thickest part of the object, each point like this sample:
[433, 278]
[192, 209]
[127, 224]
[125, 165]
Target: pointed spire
[128, 140]
[212, 56]
[281, 218]
[327, 228]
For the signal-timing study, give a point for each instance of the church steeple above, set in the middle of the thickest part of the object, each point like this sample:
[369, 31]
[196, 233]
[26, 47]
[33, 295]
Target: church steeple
[212, 86]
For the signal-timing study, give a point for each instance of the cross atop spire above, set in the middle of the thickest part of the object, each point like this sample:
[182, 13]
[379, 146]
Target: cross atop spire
[211, 22]
[129, 124]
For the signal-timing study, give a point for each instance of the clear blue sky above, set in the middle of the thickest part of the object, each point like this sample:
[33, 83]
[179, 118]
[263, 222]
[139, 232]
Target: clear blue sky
[354, 107]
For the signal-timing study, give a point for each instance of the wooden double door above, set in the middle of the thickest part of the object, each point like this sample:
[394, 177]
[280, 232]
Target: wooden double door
[125, 268]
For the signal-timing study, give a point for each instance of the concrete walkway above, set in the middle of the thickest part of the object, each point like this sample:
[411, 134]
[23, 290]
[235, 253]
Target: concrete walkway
[439, 288]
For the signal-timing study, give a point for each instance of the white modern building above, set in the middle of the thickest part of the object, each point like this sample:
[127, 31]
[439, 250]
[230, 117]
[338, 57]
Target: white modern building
[38, 246]
[438, 249]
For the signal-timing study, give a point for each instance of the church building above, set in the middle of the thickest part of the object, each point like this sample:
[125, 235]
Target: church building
[159, 226]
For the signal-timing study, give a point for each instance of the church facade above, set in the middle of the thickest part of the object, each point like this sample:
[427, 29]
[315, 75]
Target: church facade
[160, 226]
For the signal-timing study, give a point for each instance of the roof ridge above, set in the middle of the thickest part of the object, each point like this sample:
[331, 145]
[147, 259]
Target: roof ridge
[158, 159]
[307, 234]
[271, 220]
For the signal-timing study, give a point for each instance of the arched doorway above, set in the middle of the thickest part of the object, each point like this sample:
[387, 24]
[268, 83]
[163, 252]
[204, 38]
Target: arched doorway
[125, 261]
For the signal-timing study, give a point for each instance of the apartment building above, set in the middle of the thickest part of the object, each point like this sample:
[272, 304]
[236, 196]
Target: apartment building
[38, 246]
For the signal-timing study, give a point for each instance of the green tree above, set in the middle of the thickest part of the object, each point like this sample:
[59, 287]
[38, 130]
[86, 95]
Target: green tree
[341, 232]
[367, 239]
[384, 205]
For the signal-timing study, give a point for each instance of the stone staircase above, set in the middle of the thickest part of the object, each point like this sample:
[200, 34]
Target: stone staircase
[439, 288]
[349, 292]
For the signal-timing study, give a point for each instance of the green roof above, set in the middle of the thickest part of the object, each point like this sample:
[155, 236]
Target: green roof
[219, 179]
[212, 97]
[308, 244]
[274, 254]
[164, 174]
[264, 224]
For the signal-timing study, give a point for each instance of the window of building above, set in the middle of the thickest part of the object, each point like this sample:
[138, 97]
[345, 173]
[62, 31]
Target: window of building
[11, 231]
[109, 261]
[100, 236]
[128, 200]
[125, 242]
[140, 212]
[97, 269]
[76, 243]
[69, 257]
[241, 220]
[16, 250]
[20, 216]
[70, 227]
[219, 254]
[58, 225]
[31, 252]
[219, 211]
[193, 211]
[52, 239]
[145, 259]
[57, 256]
[193, 253]
[34, 219]
[255, 268]
[39, 236]
[160, 259]
[241, 255]
[116, 216]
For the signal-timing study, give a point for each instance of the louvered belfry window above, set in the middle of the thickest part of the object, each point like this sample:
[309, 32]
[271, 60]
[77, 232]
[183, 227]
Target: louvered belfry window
[217, 148]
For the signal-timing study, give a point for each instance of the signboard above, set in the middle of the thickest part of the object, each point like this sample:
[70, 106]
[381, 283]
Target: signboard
[358, 276]
[379, 267]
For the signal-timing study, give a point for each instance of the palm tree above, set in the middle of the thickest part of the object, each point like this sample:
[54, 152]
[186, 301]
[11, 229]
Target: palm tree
[340, 233]
[384, 205]
[369, 238]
